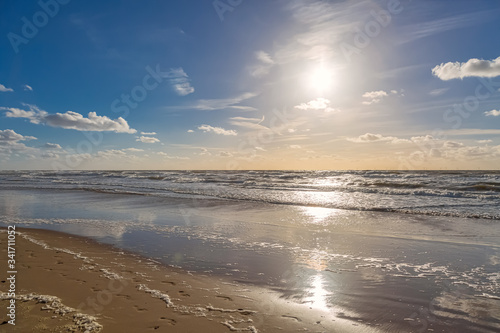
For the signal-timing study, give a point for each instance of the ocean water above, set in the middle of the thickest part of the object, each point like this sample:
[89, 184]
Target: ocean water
[400, 251]
[472, 194]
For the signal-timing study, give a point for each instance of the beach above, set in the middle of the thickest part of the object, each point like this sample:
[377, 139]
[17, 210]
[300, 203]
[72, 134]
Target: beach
[136, 258]
[72, 284]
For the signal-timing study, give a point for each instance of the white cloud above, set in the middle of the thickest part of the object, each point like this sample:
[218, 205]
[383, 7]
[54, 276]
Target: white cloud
[216, 130]
[133, 150]
[52, 146]
[473, 67]
[264, 57]
[370, 137]
[49, 155]
[9, 136]
[27, 88]
[165, 155]
[204, 151]
[438, 92]
[224, 103]
[424, 29]
[317, 104]
[494, 113]
[225, 154]
[190, 131]
[484, 141]
[5, 89]
[180, 81]
[71, 120]
[148, 133]
[264, 66]
[250, 123]
[472, 131]
[452, 144]
[295, 146]
[373, 97]
[322, 29]
[147, 139]
[10, 142]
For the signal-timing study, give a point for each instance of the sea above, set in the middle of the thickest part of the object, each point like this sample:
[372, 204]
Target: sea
[411, 251]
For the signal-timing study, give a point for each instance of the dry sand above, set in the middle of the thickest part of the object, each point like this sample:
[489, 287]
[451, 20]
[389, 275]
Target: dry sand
[66, 283]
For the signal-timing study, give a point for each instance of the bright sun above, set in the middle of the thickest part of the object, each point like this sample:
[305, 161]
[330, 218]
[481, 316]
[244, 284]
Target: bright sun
[321, 80]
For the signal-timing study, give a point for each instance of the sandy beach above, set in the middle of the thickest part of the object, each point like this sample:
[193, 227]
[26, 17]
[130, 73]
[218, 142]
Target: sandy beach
[67, 283]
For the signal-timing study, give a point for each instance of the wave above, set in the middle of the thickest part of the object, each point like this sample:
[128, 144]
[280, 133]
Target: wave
[459, 193]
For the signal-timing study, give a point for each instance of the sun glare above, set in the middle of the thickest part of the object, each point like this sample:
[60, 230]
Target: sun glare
[321, 79]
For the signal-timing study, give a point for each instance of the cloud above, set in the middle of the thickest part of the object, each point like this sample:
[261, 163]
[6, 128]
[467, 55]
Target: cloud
[370, 137]
[5, 89]
[419, 30]
[494, 113]
[322, 28]
[180, 81]
[224, 103]
[317, 104]
[9, 136]
[10, 142]
[472, 131]
[148, 133]
[204, 151]
[484, 141]
[27, 88]
[216, 130]
[133, 150]
[473, 67]
[250, 123]
[71, 120]
[373, 97]
[225, 154]
[190, 131]
[264, 66]
[49, 155]
[295, 146]
[165, 155]
[147, 139]
[52, 146]
[438, 92]
[453, 150]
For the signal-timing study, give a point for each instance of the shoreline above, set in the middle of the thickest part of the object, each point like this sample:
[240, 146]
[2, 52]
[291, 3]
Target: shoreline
[75, 284]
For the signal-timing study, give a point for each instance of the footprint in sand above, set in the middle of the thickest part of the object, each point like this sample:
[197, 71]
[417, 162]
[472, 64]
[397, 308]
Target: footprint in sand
[139, 309]
[169, 321]
[169, 282]
[227, 298]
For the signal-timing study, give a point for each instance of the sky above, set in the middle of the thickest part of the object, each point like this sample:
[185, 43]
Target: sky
[239, 84]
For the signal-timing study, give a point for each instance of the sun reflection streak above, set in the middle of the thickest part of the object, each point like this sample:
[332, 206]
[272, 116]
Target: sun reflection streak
[318, 294]
[318, 214]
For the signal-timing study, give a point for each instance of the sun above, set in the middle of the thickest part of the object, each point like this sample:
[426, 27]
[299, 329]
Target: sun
[321, 79]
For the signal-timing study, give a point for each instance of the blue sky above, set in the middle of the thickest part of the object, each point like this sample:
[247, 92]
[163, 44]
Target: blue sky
[238, 84]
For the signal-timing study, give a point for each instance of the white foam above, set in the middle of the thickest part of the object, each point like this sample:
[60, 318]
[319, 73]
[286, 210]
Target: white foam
[83, 322]
[241, 311]
[110, 275]
[229, 324]
[156, 294]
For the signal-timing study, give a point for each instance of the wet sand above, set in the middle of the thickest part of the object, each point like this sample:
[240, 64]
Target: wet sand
[67, 283]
